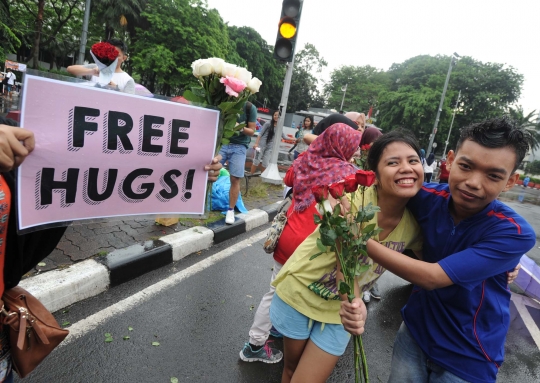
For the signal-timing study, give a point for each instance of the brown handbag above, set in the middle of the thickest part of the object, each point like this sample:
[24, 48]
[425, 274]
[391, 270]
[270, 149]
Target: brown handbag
[33, 331]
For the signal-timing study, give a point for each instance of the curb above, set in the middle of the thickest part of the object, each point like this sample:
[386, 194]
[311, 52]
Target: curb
[57, 289]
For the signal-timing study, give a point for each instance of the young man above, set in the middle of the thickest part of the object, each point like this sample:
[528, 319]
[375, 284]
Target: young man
[10, 83]
[235, 154]
[120, 81]
[457, 317]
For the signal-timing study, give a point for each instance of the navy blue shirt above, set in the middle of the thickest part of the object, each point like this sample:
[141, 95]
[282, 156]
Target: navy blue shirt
[463, 327]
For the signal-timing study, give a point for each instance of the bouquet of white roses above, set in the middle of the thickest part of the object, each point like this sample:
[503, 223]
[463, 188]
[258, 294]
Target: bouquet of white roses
[226, 86]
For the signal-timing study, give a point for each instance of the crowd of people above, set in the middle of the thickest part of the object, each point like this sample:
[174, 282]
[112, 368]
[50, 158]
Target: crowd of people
[466, 248]
[466, 244]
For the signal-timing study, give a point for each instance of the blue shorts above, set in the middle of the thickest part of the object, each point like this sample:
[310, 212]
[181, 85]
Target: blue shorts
[236, 156]
[8, 87]
[331, 338]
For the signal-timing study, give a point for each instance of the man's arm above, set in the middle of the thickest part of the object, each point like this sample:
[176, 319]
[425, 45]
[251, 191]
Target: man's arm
[429, 276]
[82, 70]
[249, 129]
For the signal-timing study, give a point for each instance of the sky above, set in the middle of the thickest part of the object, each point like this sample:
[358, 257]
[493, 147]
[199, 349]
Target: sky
[382, 32]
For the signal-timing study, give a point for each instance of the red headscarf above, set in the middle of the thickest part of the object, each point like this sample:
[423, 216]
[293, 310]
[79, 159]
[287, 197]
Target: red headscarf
[325, 161]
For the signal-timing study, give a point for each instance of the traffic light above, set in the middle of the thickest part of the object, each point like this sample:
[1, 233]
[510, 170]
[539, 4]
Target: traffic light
[288, 26]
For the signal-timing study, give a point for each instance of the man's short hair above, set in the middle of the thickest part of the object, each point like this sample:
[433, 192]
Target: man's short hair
[498, 133]
[119, 44]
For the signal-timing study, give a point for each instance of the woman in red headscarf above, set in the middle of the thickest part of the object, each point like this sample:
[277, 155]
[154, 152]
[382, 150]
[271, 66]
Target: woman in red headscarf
[324, 162]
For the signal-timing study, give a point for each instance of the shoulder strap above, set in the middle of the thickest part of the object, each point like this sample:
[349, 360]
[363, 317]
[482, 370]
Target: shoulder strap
[248, 111]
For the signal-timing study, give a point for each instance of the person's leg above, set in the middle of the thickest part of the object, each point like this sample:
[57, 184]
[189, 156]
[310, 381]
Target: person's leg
[258, 334]
[292, 351]
[265, 156]
[237, 162]
[440, 375]
[234, 192]
[314, 365]
[408, 359]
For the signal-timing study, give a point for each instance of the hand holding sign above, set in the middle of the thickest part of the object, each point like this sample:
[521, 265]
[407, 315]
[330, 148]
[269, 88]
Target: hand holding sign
[15, 145]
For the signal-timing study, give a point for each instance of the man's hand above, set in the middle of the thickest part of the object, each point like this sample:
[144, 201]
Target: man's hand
[353, 316]
[15, 144]
[513, 275]
[214, 168]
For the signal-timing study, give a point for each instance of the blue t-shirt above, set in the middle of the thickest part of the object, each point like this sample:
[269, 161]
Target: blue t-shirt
[463, 327]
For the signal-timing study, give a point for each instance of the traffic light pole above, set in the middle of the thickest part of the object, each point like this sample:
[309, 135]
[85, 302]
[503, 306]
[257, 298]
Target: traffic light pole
[432, 137]
[271, 174]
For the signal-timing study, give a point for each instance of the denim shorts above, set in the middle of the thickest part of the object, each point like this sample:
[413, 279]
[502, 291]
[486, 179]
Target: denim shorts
[331, 338]
[235, 155]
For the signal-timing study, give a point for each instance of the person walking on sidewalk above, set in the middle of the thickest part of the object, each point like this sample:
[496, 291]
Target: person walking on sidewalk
[307, 128]
[331, 152]
[8, 89]
[265, 143]
[235, 154]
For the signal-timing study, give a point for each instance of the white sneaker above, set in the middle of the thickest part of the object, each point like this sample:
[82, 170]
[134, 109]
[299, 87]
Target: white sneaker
[229, 218]
[366, 296]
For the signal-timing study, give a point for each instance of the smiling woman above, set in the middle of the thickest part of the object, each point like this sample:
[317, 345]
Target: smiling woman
[307, 289]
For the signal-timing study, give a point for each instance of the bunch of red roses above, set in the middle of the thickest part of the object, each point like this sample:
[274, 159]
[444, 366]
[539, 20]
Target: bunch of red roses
[105, 53]
[345, 231]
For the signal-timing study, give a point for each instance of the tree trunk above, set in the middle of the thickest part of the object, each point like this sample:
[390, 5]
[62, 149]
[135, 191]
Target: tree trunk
[39, 28]
[51, 61]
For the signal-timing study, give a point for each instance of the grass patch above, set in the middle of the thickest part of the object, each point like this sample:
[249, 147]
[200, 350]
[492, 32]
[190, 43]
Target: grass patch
[102, 253]
[213, 216]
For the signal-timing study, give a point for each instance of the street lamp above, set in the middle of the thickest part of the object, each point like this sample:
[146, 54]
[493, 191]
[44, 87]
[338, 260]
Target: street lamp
[453, 62]
[451, 124]
[344, 90]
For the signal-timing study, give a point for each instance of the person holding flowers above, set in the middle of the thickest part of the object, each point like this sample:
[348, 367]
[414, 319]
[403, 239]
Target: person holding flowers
[105, 72]
[307, 307]
[324, 162]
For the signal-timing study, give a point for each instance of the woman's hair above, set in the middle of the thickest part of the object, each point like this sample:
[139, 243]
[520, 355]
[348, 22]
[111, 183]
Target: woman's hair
[377, 149]
[272, 129]
[311, 125]
[369, 136]
[272, 122]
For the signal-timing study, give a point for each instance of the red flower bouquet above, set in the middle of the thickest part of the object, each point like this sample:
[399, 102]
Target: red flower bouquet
[105, 53]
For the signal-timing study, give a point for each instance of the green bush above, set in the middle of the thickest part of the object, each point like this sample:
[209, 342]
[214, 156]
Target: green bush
[534, 180]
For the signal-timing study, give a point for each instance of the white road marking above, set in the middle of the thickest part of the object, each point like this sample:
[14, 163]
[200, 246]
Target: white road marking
[83, 326]
[520, 302]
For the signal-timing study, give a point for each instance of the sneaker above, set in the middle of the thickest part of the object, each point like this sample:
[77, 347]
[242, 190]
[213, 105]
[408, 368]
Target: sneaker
[265, 354]
[366, 296]
[374, 292]
[275, 333]
[229, 218]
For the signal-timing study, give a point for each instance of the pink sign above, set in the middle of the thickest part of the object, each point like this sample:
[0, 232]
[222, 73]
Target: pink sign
[101, 153]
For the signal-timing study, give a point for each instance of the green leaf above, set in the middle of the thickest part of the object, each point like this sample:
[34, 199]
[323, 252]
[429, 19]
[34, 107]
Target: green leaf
[328, 237]
[125, 337]
[240, 127]
[225, 141]
[107, 335]
[66, 323]
[320, 246]
[361, 269]
[226, 106]
[369, 228]
[190, 96]
[155, 344]
[130, 328]
[344, 288]
[174, 380]
[337, 211]
[228, 133]
[316, 255]
[108, 340]
[317, 219]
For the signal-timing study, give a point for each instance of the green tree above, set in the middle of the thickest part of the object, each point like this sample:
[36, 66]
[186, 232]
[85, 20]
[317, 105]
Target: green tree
[364, 83]
[304, 91]
[487, 90]
[533, 168]
[254, 50]
[176, 33]
[118, 15]
[9, 42]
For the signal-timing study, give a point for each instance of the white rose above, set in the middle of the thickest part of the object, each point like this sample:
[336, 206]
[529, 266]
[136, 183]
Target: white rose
[229, 70]
[201, 68]
[254, 84]
[243, 74]
[217, 64]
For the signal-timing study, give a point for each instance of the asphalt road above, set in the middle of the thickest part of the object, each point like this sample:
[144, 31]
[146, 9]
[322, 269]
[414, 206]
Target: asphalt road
[200, 310]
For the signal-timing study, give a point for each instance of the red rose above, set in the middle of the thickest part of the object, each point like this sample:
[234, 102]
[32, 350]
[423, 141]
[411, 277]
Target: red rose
[337, 189]
[365, 177]
[320, 192]
[105, 53]
[365, 147]
[350, 184]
